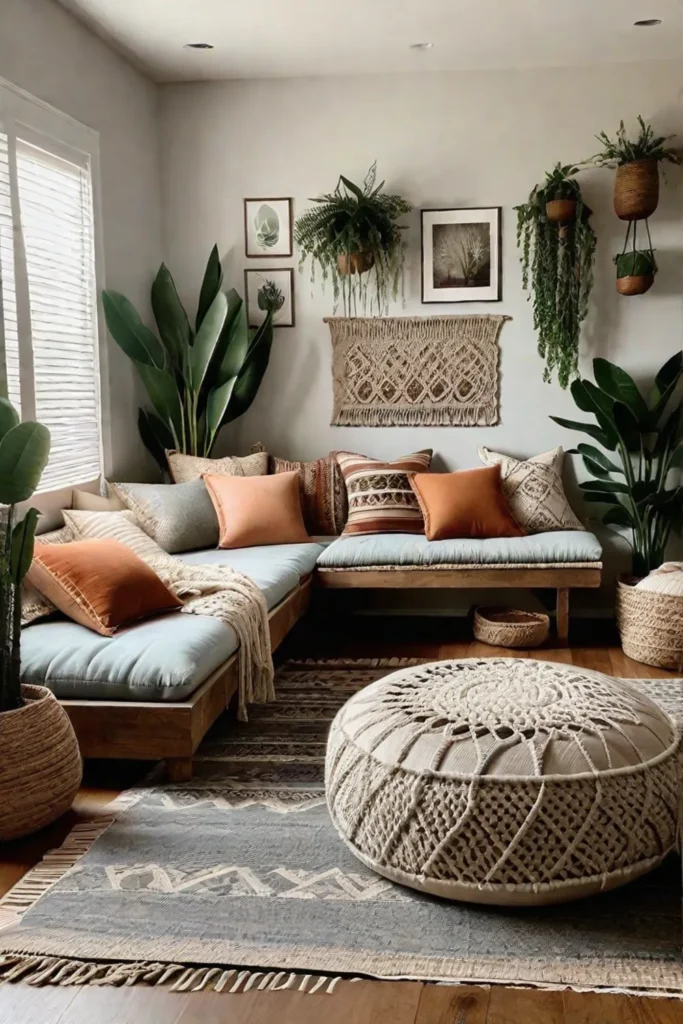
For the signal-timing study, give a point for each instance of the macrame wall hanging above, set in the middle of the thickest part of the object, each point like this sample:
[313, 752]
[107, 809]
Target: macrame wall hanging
[415, 371]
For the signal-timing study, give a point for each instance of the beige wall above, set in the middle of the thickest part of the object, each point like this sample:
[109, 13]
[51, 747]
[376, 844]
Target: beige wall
[45, 51]
[458, 139]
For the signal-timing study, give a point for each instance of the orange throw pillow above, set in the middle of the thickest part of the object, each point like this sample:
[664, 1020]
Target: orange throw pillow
[256, 510]
[469, 503]
[100, 584]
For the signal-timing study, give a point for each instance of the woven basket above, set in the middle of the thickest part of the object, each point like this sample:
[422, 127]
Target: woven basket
[356, 262]
[561, 211]
[636, 190]
[508, 627]
[40, 764]
[650, 625]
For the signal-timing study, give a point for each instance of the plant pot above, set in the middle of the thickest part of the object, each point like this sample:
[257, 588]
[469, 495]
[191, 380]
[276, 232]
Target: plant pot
[355, 262]
[636, 189]
[635, 284]
[561, 211]
[40, 764]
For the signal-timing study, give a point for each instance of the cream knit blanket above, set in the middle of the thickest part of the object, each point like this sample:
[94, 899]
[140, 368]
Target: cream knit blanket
[225, 594]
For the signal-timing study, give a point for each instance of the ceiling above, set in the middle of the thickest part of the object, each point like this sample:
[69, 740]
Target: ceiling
[283, 38]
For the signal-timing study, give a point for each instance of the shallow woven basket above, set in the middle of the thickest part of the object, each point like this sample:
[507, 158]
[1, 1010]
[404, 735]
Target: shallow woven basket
[508, 627]
[650, 625]
[636, 190]
[40, 764]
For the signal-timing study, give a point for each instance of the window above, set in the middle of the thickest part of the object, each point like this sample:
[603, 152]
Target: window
[49, 332]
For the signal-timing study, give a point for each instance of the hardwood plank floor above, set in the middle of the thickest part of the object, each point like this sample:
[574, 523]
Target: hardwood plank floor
[353, 1003]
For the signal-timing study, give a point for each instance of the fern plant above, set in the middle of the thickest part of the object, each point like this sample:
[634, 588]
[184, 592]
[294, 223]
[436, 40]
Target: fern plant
[646, 146]
[557, 271]
[353, 236]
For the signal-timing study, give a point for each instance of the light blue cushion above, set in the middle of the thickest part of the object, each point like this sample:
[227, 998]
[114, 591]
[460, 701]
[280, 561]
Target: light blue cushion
[410, 549]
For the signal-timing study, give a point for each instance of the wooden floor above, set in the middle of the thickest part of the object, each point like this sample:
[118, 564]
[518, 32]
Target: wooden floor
[352, 1003]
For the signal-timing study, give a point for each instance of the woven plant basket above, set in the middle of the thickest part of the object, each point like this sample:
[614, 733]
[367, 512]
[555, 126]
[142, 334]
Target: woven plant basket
[40, 764]
[636, 190]
[635, 284]
[508, 627]
[561, 211]
[650, 625]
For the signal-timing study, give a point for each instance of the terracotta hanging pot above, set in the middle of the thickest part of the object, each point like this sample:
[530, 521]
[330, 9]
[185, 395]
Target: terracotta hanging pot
[356, 262]
[636, 189]
[635, 284]
[561, 211]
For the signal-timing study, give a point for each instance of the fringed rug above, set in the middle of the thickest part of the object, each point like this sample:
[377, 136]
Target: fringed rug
[238, 880]
[415, 371]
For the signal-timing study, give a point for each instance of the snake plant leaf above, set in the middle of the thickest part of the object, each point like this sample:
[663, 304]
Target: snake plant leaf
[9, 417]
[605, 486]
[128, 331]
[206, 341]
[156, 436]
[211, 285]
[591, 452]
[24, 451]
[618, 516]
[252, 371]
[163, 394]
[216, 408]
[23, 538]
[619, 385]
[233, 344]
[587, 428]
[169, 313]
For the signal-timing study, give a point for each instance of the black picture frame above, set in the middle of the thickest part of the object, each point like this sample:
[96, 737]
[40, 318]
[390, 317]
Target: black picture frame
[496, 217]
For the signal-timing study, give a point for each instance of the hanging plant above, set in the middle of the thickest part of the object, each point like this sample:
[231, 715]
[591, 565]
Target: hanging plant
[636, 186]
[353, 236]
[557, 247]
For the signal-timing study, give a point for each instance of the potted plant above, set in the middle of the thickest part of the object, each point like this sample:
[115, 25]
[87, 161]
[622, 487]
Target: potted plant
[635, 271]
[647, 438]
[353, 235]
[557, 245]
[636, 186]
[198, 378]
[40, 764]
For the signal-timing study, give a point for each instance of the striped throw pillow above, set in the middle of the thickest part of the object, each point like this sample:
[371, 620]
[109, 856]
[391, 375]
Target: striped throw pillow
[380, 497]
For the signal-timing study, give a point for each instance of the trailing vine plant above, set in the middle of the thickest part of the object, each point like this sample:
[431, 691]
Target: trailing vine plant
[557, 252]
[353, 236]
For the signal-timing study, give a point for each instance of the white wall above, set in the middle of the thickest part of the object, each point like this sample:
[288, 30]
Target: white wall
[45, 51]
[453, 139]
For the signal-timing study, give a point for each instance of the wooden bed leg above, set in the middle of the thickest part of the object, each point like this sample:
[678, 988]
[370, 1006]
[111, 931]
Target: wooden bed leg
[562, 616]
[179, 769]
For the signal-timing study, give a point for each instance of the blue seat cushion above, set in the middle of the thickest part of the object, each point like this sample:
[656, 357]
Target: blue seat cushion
[275, 568]
[379, 549]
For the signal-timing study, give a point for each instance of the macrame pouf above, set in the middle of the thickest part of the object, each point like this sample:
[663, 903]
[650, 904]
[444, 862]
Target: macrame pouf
[504, 781]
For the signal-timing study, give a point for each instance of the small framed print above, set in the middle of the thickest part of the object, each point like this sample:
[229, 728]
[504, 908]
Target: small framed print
[268, 228]
[461, 255]
[274, 286]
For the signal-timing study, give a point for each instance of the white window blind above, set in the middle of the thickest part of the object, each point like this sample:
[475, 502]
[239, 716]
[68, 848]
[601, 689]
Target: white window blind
[49, 333]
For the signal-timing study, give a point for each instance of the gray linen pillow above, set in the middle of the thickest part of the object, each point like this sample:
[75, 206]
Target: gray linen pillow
[179, 517]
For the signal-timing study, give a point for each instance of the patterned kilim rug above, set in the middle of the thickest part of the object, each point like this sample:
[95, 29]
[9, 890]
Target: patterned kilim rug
[238, 880]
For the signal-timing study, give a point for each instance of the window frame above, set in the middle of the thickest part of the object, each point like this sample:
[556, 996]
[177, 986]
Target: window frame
[40, 124]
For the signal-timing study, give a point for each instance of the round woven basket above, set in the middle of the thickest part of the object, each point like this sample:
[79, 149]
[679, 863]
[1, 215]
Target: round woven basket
[508, 627]
[40, 764]
[650, 625]
[636, 190]
[635, 284]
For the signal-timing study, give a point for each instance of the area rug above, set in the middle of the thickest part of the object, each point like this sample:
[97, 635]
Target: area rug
[415, 371]
[238, 879]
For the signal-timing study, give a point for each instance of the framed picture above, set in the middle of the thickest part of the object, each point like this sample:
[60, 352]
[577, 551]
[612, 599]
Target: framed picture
[277, 285]
[268, 227]
[461, 255]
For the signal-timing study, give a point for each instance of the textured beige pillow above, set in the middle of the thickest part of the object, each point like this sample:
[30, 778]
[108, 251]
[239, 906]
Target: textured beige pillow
[534, 490]
[35, 605]
[185, 468]
[85, 501]
[120, 526]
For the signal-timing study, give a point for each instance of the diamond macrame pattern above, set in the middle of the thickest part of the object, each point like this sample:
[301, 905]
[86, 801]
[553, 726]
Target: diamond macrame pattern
[504, 774]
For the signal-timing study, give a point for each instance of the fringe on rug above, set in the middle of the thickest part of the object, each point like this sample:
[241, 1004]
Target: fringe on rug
[52, 970]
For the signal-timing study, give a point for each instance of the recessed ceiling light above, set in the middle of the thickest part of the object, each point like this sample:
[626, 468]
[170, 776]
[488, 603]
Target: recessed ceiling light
[647, 23]
[421, 46]
[198, 46]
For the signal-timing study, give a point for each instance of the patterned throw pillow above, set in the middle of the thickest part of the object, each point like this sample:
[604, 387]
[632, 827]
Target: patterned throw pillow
[121, 526]
[534, 490]
[179, 517]
[380, 497]
[322, 491]
[35, 605]
[185, 468]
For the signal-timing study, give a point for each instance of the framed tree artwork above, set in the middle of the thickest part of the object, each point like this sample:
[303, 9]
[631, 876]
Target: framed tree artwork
[268, 228]
[275, 285]
[461, 255]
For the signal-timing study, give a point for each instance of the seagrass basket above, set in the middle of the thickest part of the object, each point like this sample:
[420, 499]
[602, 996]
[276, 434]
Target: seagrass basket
[650, 625]
[509, 627]
[636, 190]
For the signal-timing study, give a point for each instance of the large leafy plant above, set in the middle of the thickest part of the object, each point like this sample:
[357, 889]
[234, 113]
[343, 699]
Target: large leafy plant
[646, 433]
[557, 270]
[353, 236]
[24, 451]
[646, 146]
[198, 378]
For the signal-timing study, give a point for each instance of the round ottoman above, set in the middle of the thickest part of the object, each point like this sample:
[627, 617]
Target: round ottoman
[504, 781]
